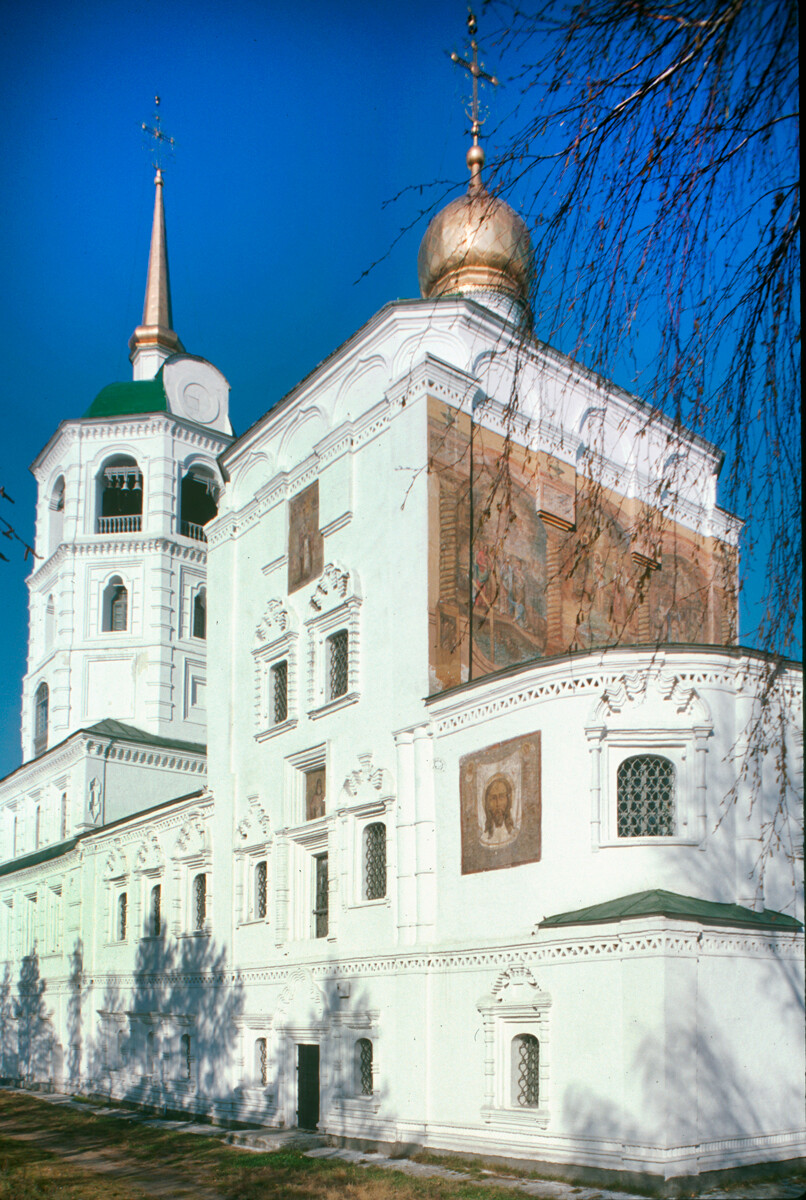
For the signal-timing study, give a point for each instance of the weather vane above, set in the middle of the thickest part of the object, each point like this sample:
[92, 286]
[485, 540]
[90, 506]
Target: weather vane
[477, 72]
[161, 143]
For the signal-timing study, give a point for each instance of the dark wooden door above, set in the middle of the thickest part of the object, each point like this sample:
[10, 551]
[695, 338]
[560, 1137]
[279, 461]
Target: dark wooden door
[307, 1086]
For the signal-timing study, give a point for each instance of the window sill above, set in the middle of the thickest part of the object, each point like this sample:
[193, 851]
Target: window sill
[274, 730]
[359, 1106]
[516, 1118]
[378, 902]
[333, 705]
[649, 840]
[195, 933]
[249, 921]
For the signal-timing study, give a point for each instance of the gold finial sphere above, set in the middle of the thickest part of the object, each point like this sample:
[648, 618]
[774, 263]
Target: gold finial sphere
[471, 23]
[156, 99]
[475, 159]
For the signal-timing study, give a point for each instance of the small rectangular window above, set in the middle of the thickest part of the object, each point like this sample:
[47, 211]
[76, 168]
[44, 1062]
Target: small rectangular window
[320, 910]
[261, 1062]
[375, 861]
[123, 913]
[200, 902]
[261, 889]
[64, 816]
[278, 683]
[155, 913]
[187, 1061]
[337, 664]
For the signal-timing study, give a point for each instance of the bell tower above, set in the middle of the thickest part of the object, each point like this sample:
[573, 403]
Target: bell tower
[117, 597]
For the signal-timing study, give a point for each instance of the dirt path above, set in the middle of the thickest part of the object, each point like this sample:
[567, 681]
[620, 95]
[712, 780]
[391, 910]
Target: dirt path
[94, 1155]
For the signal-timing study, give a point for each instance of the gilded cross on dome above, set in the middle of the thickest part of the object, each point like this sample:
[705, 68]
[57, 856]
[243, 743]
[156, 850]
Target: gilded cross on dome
[161, 141]
[475, 157]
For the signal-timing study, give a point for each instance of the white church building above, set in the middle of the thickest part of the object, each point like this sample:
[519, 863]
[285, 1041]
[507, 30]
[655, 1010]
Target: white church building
[382, 767]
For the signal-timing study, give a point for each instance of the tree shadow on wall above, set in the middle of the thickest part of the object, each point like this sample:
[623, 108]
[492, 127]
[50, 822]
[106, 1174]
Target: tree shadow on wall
[166, 1039]
[30, 1050]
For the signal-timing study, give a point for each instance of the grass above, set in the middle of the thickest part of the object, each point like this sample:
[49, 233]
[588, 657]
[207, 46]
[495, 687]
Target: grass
[28, 1171]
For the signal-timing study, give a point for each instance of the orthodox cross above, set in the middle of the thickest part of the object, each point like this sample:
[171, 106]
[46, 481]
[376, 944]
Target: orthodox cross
[161, 140]
[476, 70]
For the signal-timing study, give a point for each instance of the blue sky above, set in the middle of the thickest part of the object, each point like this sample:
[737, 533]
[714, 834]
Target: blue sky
[294, 124]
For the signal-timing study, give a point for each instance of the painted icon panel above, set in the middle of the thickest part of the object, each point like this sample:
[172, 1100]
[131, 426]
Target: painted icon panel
[499, 789]
[305, 542]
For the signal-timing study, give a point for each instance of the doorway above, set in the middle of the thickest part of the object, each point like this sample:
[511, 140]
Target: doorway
[307, 1086]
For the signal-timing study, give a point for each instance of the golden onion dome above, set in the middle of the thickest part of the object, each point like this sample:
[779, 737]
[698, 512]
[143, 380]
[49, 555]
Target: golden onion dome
[477, 243]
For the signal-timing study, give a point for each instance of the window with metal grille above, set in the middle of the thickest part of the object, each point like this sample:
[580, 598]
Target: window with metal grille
[200, 614]
[320, 906]
[261, 1062]
[123, 913]
[41, 719]
[261, 889]
[200, 901]
[155, 912]
[646, 796]
[278, 683]
[337, 664]
[526, 1068]
[363, 1067]
[187, 1061]
[63, 825]
[375, 861]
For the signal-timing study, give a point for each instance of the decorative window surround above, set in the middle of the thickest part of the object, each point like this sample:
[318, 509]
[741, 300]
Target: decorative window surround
[516, 1005]
[367, 798]
[253, 845]
[335, 604]
[624, 724]
[348, 1029]
[252, 1028]
[191, 858]
[275, 642]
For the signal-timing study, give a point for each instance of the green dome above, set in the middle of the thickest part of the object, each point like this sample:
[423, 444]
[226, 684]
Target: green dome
[128, 399]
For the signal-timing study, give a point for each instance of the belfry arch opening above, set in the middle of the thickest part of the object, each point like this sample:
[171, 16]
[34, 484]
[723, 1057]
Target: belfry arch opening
[198, 502]
[56, 515]
[120, 501]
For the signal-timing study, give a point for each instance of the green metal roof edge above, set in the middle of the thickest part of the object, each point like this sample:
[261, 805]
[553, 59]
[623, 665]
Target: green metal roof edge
[111, 728]
[127, 398]
[39, 856]
[659, 903]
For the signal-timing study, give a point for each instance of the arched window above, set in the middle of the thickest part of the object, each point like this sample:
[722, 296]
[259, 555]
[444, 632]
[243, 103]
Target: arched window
[123, 916]
[261, 1062]
[338, 662]
[41, 719]
[525, 1071]
[121, 496]
[363, 1067]
[56, 515]
[645, 785]
[50, 622]
[200, 614]
[115, 606]
[198, 502]
[63, 823]
[375, 861]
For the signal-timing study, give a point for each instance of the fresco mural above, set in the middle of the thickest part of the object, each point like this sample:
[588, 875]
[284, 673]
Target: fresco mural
[557, 563]
[500, 801]
[305, 542]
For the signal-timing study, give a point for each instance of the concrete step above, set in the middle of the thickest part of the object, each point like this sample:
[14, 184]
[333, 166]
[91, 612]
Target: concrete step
[268, 1141]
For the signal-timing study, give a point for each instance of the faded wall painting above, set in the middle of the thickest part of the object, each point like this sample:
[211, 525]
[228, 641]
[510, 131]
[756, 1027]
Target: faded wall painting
[552, 563]
[499, 790]
[315, 794]
[305, 542]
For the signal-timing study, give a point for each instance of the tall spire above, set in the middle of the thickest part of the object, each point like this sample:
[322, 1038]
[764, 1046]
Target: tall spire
[155, 340]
